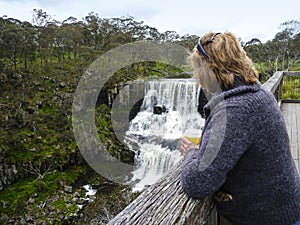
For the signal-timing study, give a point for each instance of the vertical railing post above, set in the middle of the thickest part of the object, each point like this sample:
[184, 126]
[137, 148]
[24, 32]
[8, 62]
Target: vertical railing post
[278, 91]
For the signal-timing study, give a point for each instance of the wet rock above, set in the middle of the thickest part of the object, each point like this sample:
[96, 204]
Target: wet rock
[4, 218]
[92, 198]
[42, 223]
[30, 110]
[4, 204]
[52, 215]
[76, 194]
[12, 220]
[67, 98]
[74, 200]
[22, 222]
[32, 150]
[3, 77]
[62, 85]
[82, 201]
[29, 219]
[17, 76]
[34, 195]
[31, 200]
[51, 208]
[68, 189]
[66, 199]
[8, 173]
[62, 183]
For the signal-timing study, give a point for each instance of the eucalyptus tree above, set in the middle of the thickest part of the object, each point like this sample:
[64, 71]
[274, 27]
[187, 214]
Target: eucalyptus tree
[12, 41]
[280, 53]
[74, 36]
[43, 25]
[283, 51]
[188, 41]
[3, 53]
[170, 36]
[152, 33]
[291, 51]
[16, 43]
[28, 43]
[93, 36]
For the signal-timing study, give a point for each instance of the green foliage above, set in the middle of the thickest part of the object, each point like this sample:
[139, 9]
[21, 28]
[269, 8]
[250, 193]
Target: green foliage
[19, 193]
[291, 88]
[15, 195]
[61, 205]
[282, 53]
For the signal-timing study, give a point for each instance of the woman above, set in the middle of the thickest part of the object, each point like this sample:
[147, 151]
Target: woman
[244, 159]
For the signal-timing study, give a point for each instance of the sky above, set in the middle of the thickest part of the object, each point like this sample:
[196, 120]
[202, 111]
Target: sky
[246, 19]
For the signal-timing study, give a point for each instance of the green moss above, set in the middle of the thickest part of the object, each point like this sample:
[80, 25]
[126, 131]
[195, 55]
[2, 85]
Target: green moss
[19, 155]
[18, 194]
[60, 204]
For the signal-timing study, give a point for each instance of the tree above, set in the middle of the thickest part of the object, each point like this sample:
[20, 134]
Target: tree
[290, 34]
[170, 36]
[280, 53]
[44, 33]
[40, 18]
[73, 35]
[152, 33]
[28, 44]
[93, 23]
[12, 41]
[189, 41]
[3, 48]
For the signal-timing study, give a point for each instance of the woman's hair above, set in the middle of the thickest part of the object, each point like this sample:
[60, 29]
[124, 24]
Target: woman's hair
[218, 59]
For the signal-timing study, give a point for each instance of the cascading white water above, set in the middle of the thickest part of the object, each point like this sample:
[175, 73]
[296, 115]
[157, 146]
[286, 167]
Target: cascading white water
[156, 137]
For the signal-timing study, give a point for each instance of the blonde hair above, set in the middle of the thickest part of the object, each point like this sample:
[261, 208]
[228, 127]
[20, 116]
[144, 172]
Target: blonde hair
[225, 60]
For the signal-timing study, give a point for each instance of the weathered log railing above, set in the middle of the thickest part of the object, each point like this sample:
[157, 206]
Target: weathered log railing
[166, 203]
[274, 84]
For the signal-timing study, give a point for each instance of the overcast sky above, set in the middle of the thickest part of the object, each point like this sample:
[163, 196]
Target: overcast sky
[247, 19]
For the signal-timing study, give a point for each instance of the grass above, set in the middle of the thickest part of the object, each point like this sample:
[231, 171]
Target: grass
[291, 88]
[61, 205]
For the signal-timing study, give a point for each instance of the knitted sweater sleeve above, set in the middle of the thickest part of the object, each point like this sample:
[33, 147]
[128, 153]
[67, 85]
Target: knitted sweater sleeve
[226, 136]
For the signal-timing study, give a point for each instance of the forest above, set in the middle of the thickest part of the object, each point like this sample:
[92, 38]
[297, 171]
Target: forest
[41, 62]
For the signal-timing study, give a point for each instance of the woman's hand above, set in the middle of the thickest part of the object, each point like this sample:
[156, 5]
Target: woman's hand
[187, 145]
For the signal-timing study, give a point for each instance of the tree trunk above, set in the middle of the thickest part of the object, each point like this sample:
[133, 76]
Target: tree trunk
[165, 203]
[15, 61]
[25, 60]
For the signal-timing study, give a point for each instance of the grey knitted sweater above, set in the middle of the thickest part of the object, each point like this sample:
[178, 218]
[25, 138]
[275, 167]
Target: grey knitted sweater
[245, 152]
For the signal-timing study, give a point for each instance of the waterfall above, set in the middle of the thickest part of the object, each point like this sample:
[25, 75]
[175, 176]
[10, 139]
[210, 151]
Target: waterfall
[169, 107]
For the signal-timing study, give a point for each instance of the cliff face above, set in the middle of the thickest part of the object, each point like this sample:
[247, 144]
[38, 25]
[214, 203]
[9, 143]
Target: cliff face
[35, 126]
[8, 174]
[40, 162]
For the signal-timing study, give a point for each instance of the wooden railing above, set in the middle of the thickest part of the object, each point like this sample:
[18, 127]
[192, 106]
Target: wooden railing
[274, 84]
[166, 203]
